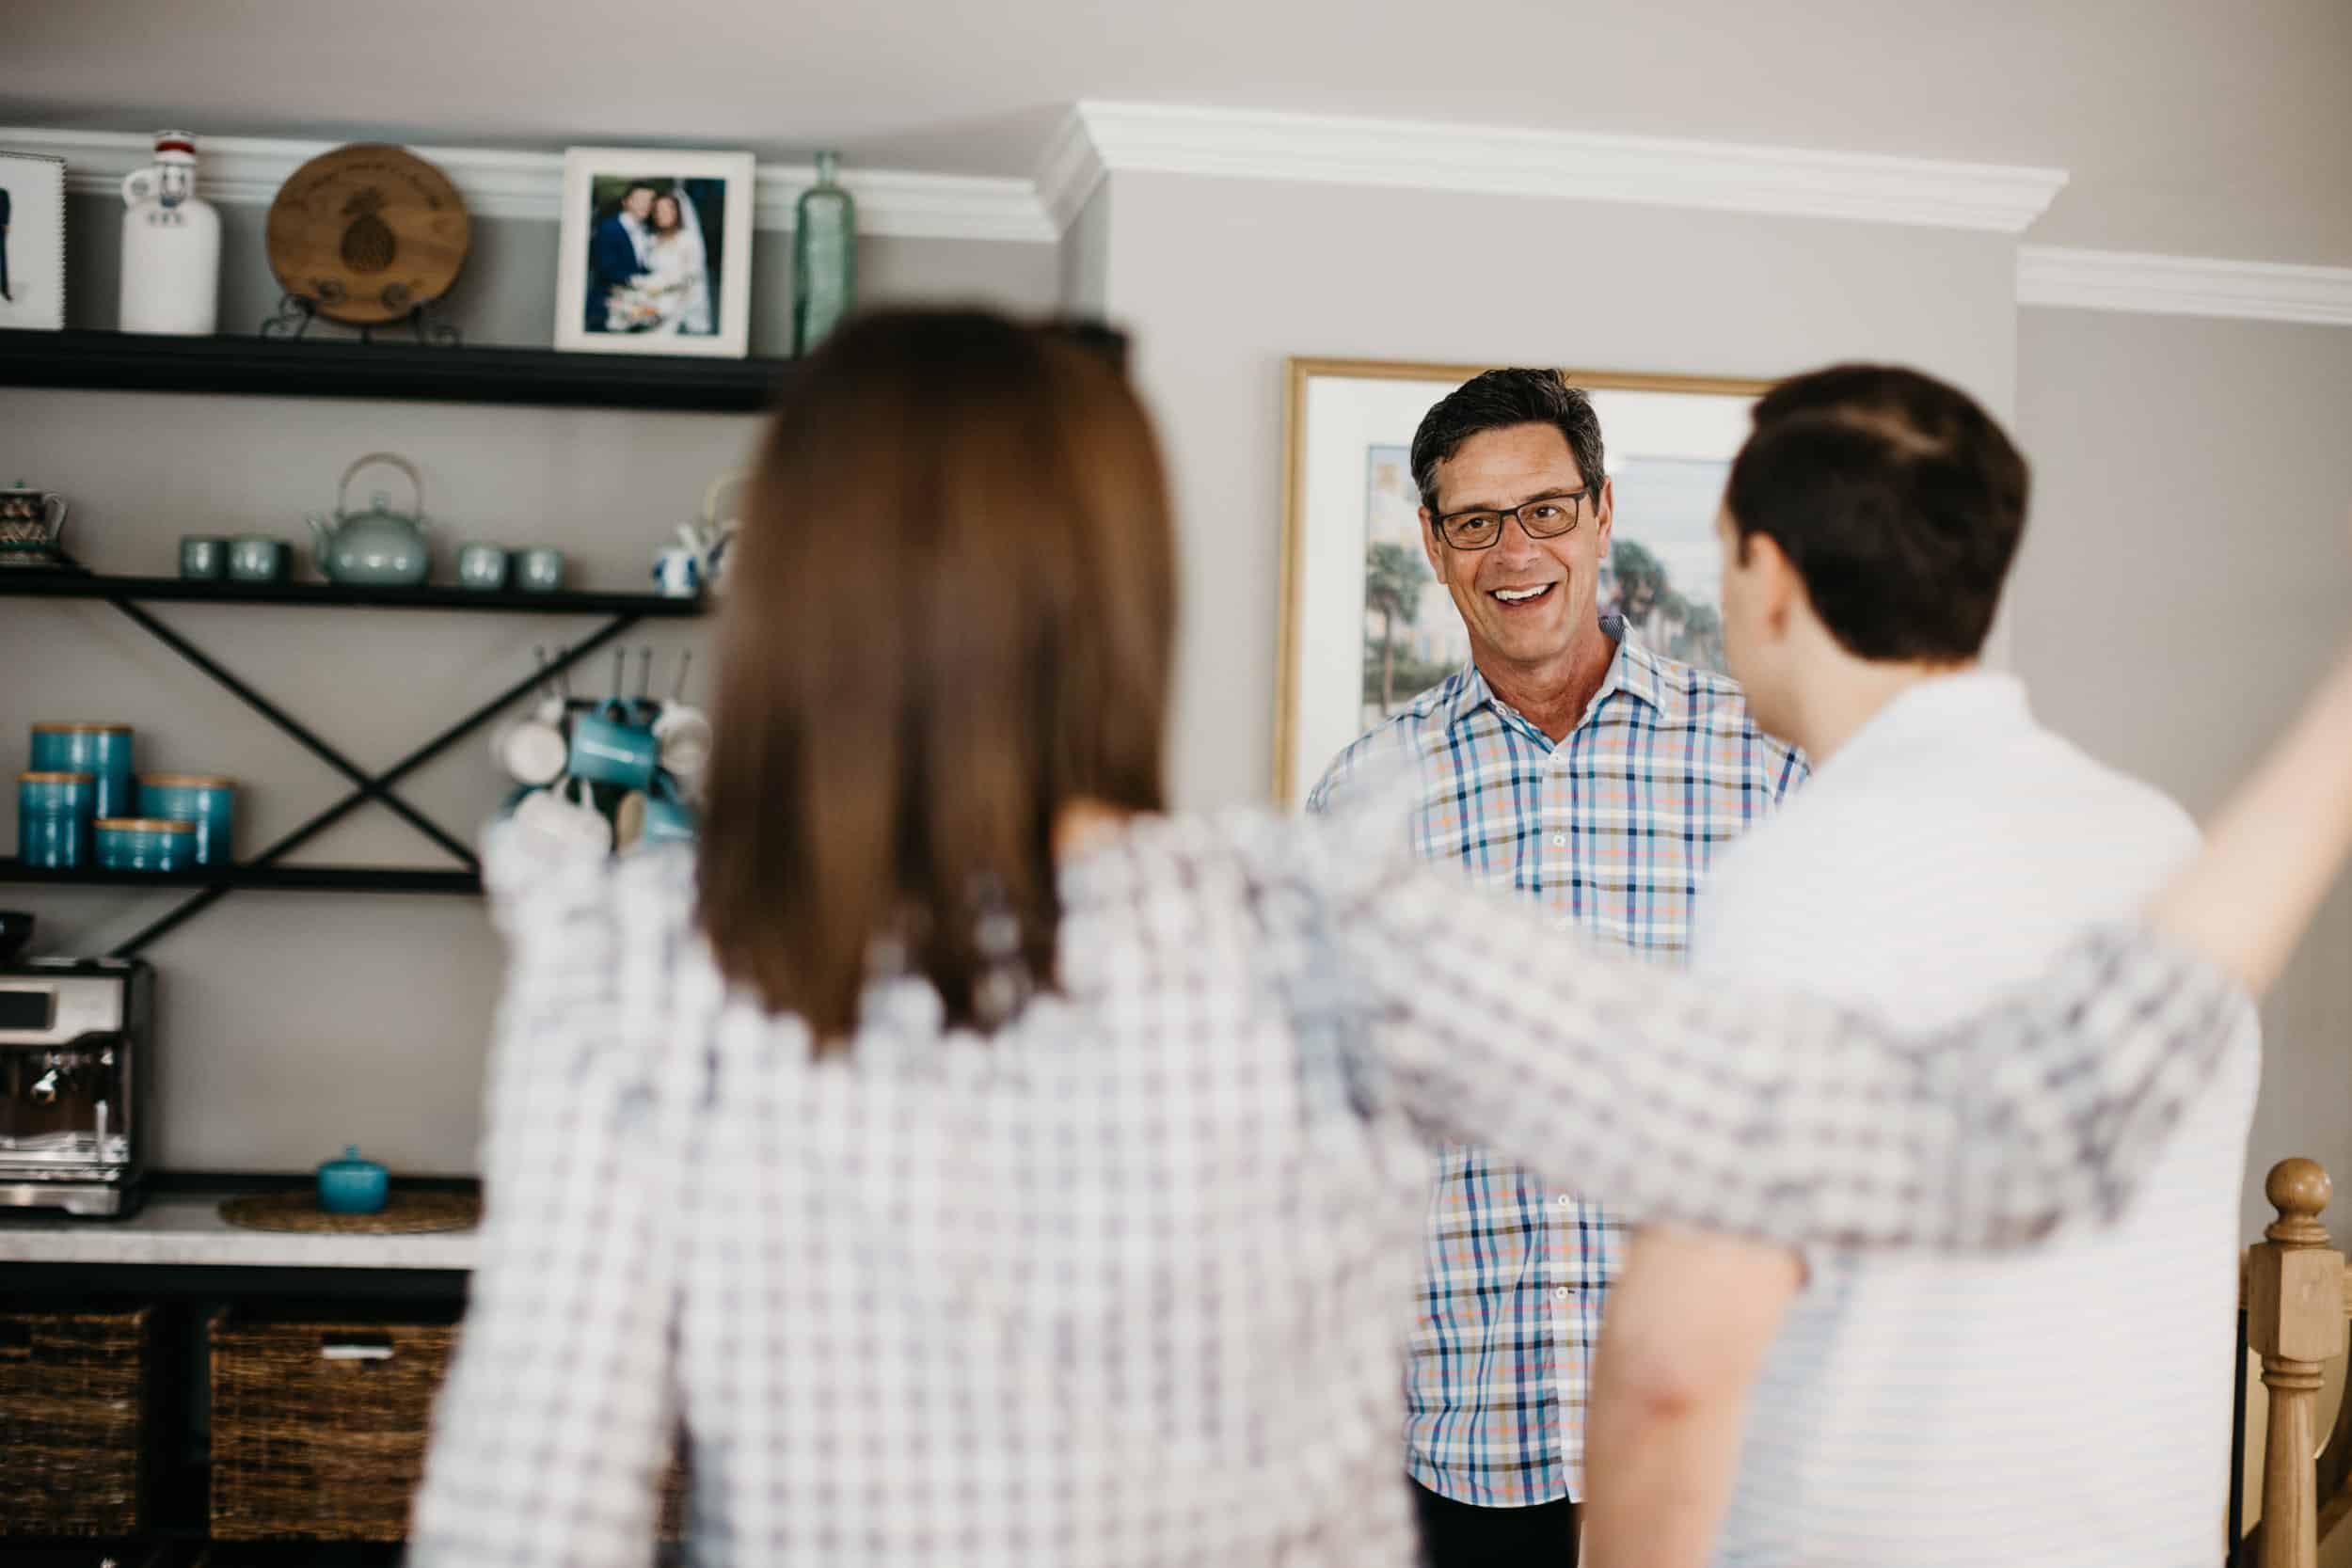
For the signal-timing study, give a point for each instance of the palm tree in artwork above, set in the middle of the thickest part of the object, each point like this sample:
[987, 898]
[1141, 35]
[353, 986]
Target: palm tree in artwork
[1393, 574]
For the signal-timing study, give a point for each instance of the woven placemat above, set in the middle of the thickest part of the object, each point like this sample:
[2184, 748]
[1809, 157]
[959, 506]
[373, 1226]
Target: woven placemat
[403, 1214]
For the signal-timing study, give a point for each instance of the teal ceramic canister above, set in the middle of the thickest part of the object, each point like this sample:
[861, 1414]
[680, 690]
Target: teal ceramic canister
[208, 802]
[352, 1185]
[145, 844]
[53, 813]
[100, 749]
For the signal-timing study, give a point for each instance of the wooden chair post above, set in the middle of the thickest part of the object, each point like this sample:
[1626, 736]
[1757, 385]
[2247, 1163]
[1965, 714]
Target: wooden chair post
[2294, 1320]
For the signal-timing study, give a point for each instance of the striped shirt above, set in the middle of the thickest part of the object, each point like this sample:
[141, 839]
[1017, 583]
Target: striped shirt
[1610, 832]
[1939, 1412]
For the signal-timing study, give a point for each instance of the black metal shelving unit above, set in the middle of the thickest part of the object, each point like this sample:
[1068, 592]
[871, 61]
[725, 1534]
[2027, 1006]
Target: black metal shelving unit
[209, 885]
[309, 367]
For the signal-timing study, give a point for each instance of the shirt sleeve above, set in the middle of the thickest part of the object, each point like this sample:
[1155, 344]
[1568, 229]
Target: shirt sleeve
[1747, 1109]
[556, 1420]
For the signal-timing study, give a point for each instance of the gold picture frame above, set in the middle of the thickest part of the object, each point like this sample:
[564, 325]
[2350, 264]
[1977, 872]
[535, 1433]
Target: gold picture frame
[1716, 417]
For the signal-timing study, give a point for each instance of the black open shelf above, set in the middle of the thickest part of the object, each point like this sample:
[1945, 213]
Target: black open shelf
[37, 583]
[316, 368]
[280, 879]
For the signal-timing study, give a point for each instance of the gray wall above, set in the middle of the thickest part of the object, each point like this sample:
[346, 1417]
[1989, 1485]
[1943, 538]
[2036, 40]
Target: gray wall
[2184, 579]
[294, 1024]
[1223, 279]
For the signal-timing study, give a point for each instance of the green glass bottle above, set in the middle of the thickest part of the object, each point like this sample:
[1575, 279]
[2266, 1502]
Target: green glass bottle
[824, 257]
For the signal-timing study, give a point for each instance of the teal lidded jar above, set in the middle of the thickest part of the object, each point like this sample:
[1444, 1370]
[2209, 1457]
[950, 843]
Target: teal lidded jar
[102, 751]
[209, 804]
[53, 813]
[145, 844]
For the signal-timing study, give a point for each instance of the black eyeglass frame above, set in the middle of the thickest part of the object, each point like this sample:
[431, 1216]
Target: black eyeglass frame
[1447, 522]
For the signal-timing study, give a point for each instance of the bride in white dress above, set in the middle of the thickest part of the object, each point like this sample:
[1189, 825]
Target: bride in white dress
[678, 279]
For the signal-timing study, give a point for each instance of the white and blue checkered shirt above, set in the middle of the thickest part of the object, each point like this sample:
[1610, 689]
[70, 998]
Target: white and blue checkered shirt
[1609, 832]
[1120, 1284]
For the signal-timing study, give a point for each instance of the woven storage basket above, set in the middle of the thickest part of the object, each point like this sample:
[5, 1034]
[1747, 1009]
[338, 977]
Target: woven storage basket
[73, 1421]
[319, 1429]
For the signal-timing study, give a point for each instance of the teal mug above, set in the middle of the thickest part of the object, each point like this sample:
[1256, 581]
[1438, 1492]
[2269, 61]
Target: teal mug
[102, 751]
[482, 568]
[652, 816]
[258, 558]
[203, 559]
[145, 844]
[209, 804]
[606, 750]
[539, 570]
[54, 811]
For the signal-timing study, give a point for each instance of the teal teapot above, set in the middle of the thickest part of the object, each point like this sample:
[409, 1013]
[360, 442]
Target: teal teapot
[378, 547]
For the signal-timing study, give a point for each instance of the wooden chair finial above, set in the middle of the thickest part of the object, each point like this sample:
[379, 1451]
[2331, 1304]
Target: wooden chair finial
[2298, 1189]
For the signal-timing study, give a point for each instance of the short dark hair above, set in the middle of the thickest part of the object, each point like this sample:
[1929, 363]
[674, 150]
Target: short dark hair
[635, 186]
[1498, 399]
[1897, 499]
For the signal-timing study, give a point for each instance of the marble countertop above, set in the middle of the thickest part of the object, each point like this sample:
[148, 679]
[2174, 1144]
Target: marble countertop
[187, 1227]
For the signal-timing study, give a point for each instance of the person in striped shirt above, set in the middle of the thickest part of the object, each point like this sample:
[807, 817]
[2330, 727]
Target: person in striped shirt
[1569, 764]
[1919, 1412]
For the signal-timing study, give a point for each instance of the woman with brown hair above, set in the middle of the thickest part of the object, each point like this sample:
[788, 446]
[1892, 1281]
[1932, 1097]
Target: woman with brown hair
[986, 1168]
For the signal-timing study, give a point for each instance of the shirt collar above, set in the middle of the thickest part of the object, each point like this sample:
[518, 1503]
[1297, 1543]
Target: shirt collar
[1633, 670]
[1964, 707]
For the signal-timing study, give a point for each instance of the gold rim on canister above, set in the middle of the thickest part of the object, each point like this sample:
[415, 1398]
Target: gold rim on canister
[186, 780]
[81, 729]
[57, 778]
[143, 825]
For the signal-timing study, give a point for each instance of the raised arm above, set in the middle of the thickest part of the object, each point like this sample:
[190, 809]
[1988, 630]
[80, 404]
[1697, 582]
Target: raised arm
[557, 1417]
[1690, 1102]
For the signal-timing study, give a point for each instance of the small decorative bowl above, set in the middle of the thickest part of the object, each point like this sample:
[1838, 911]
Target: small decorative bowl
[352, 1185]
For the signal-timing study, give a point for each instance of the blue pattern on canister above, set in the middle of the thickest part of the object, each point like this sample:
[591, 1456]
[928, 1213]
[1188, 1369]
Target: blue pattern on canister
[210, 803]
[100, 749]
[52, 819]
[145, 844]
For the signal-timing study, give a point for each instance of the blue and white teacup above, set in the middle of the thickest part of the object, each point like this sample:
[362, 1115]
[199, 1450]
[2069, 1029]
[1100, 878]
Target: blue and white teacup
[678, 573]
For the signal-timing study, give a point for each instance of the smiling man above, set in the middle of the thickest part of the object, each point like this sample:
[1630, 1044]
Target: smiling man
[1596, 780]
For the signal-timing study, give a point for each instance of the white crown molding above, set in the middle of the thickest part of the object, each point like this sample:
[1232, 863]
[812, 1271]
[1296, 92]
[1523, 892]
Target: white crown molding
[1572, 164]
[2183, 286]
[1068, 171]
[246, 171]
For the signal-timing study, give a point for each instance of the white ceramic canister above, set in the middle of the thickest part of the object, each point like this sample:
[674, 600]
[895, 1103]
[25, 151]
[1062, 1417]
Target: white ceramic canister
[171, 245]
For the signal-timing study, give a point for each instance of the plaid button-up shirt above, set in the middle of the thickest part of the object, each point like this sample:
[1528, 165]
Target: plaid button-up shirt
[1610, 832]
[1119, 1286]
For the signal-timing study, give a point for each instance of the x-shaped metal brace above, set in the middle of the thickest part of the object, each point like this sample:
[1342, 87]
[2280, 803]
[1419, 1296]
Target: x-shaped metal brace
[366, 786]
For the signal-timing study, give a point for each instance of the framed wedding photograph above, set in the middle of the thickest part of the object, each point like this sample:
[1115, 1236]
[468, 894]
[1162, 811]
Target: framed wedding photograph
[1366, 625]
[32, 241]
[656, 252]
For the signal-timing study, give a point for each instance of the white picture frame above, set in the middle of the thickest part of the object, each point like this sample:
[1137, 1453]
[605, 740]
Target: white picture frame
[665, 284]
[32, 249]
[1668, 440]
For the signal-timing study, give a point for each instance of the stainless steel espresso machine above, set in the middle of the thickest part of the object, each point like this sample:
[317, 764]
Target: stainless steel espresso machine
[76, 1036]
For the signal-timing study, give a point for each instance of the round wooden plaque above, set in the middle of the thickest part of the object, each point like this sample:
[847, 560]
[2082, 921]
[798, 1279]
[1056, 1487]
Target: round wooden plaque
[367, 233]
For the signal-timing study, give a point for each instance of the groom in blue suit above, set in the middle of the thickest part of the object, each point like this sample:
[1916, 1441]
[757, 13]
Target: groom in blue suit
[616, 252]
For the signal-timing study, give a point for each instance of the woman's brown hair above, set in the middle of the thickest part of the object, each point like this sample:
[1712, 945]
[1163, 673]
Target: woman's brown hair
[949, 615]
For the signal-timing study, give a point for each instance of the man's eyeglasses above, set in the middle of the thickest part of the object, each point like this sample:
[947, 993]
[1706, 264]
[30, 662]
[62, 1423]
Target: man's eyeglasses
[1544, 517]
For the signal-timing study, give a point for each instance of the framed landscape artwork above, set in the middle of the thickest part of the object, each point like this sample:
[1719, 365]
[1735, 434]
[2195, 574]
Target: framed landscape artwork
[1366, 625]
